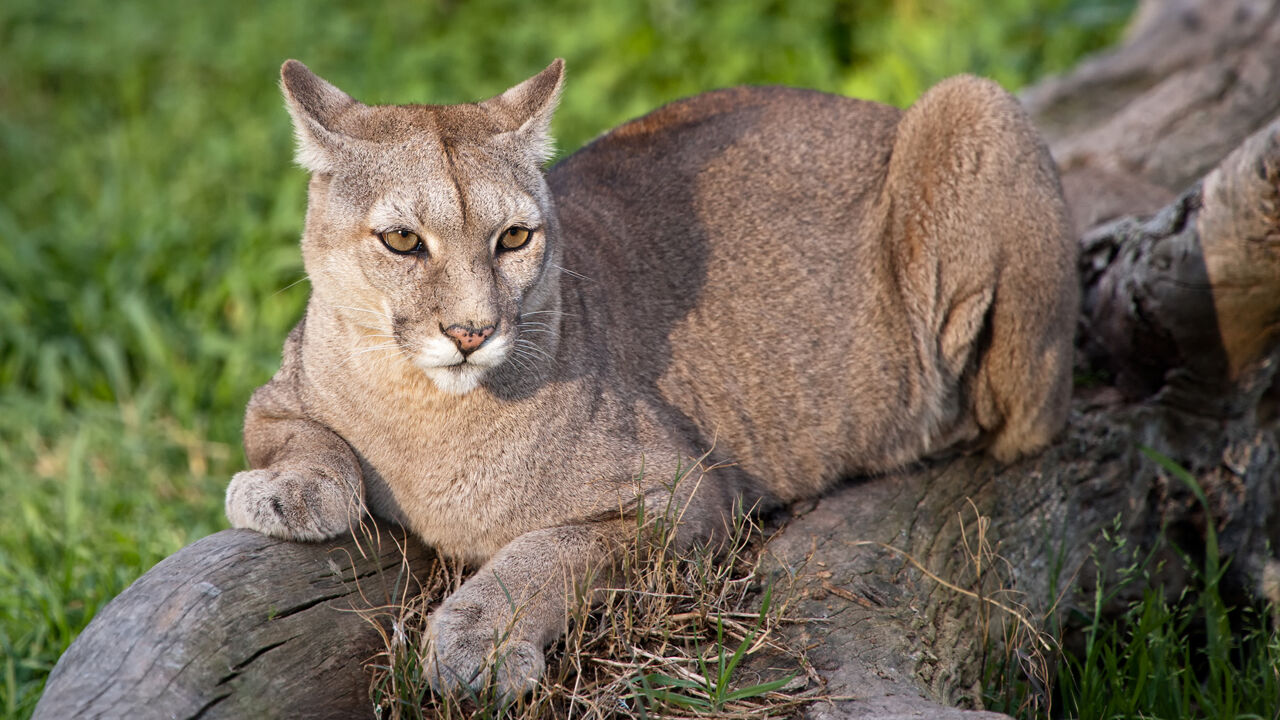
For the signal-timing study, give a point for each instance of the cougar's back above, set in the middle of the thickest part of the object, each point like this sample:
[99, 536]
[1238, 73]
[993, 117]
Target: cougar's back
[745, 268]
[735, 268]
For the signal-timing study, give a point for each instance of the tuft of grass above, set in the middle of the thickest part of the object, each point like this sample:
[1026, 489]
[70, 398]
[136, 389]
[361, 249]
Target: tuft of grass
[673, 631]
[1186, 656]
[1195, 657]
[710, 692]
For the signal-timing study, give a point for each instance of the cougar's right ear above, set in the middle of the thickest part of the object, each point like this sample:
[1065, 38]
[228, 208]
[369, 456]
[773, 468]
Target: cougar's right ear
[315, 106]
[526, 110]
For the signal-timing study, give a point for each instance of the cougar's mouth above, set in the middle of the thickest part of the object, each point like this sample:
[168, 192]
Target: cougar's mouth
[457, 379]
[456, 373]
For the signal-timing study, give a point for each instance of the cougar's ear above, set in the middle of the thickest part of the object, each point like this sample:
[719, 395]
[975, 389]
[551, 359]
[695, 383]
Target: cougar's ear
[526, 110]
[315, 106]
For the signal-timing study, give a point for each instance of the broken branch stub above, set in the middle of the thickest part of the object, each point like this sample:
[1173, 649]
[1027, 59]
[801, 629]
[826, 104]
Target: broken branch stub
[1186, 304]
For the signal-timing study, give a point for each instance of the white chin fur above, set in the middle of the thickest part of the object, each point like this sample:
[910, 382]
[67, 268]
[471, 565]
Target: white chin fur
[441, 363]
[456, 379]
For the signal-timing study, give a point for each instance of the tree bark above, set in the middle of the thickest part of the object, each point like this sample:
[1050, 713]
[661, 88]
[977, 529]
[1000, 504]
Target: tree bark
[240, 625]
[902, 573]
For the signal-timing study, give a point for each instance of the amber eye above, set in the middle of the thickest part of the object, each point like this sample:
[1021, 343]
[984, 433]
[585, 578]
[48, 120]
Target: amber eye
[514, 238]
[401, 241]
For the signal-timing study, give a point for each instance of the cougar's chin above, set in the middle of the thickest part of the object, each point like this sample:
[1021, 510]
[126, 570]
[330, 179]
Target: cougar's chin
[458, 375]
[456, 379]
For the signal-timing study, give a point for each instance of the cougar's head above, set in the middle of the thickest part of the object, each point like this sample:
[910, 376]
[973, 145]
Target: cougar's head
[429, 228]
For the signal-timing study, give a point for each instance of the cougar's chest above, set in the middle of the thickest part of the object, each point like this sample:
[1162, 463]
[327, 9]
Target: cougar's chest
[448, 470]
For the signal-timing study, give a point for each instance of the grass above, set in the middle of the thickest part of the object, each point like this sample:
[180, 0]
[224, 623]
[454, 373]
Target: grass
[1194, 657]
[149, 216]
[669, 634]
[1170, 654]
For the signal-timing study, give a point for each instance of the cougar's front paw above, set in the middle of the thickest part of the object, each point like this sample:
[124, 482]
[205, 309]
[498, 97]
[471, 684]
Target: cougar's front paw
[293, 505]
[464, 655]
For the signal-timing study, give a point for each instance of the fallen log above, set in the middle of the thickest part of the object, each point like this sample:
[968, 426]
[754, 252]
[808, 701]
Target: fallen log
[912, 572]
[241, 625]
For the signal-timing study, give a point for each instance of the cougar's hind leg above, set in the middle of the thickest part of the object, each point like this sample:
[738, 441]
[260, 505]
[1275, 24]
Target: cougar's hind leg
[983, 234]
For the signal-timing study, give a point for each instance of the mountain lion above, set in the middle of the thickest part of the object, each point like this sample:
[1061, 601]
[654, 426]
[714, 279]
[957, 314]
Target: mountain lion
[774, 287]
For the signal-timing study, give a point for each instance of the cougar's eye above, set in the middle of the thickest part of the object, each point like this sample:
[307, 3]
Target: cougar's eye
[514, 238]
[401, 241]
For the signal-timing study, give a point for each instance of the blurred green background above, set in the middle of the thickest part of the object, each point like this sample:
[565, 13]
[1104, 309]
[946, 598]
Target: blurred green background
[149, 215]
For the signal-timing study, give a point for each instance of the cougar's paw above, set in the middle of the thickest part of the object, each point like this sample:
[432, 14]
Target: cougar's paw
[464, 656]
[292, 505]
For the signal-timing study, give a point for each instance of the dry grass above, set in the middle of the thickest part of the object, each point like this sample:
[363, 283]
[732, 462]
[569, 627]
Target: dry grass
[688, 634]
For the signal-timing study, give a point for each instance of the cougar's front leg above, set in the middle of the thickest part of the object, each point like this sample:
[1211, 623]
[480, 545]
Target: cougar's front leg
[306, 482]
[501, 619]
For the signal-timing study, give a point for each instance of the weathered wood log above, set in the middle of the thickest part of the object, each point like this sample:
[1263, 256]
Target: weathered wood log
[240, 625]
[1180, 317]
[1132, 127]
[1193, 289]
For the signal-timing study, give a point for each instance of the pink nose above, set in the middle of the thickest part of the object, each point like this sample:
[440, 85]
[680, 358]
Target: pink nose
[468, 338]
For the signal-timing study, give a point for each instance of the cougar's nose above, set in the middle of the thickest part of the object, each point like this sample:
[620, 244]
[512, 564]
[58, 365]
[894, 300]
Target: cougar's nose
[468, 338]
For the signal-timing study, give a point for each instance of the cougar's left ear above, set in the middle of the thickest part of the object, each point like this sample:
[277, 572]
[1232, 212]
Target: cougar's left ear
[526, 111]
[316, 107]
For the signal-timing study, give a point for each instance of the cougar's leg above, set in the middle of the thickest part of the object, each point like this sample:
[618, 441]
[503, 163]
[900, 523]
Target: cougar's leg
[305, 482]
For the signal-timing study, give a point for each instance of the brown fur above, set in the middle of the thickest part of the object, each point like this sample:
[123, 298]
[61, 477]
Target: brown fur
[801, 285]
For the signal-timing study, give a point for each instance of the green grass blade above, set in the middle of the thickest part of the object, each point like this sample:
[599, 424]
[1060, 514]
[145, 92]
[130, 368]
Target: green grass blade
[758, 690]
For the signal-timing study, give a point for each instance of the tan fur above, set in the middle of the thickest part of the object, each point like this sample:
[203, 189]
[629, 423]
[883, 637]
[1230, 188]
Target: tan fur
[801, 285]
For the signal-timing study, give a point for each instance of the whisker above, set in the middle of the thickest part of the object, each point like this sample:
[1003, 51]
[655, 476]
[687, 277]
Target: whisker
[552, 333]
[546, 312]
[521, 352]
[532, 346]
[521, 358]
[384, 347]
[515, 359]
[574, 273]
[377, 331]
[365, 310]
[295, 282]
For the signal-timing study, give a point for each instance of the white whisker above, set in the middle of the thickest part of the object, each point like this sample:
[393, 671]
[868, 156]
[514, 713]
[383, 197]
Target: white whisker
[552, 333]
[295, 282]
[365, 310]
[520, 356]
[532, 346]
[377, 331]
[514, 357]
[383, 347]
[567, 271]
